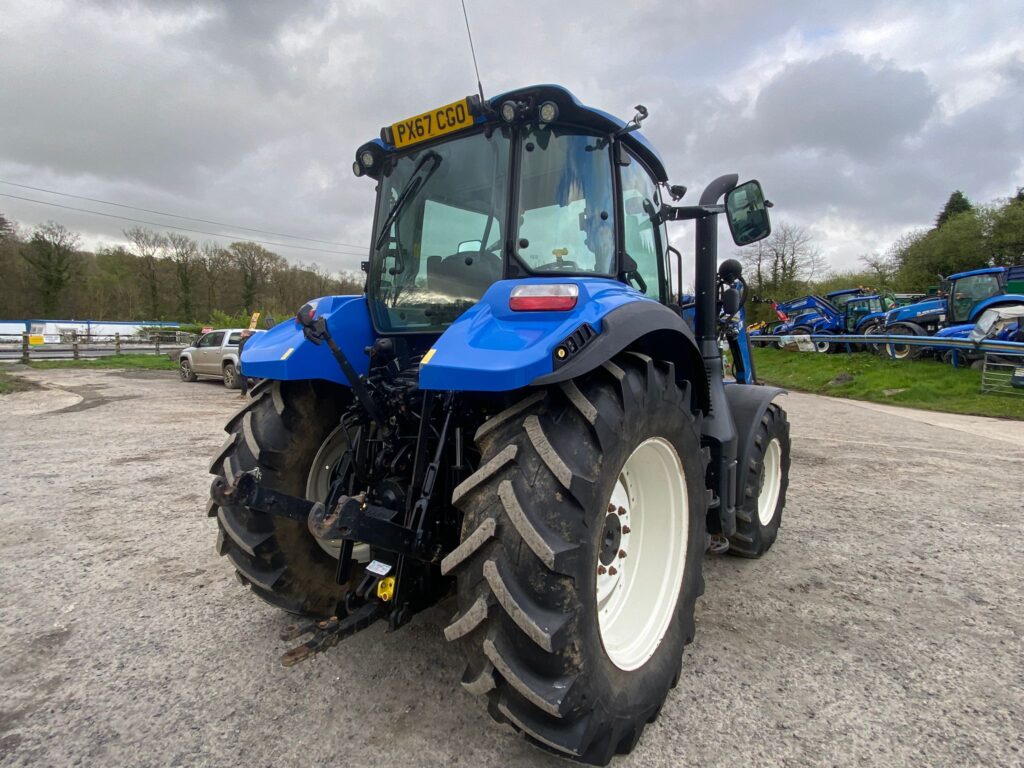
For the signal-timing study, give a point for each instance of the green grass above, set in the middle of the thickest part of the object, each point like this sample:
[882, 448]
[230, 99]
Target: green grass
[144, 362]
[924, 384]
[10, 384]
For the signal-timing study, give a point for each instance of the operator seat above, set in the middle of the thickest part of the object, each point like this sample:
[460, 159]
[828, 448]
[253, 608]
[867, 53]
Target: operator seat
[452, 276]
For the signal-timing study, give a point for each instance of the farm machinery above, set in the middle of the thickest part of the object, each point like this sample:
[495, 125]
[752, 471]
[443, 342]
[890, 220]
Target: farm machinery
[964, 298]
[846, 311]
[514, 413]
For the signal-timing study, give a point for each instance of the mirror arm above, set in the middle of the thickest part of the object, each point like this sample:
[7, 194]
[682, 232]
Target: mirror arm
[688, 212]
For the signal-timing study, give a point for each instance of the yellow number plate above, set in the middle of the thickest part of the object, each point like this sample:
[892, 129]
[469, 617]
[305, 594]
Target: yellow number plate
[437, 122]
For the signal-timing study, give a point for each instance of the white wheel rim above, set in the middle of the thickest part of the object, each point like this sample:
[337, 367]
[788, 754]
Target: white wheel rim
[318, 484]
[771, 482]
[637, 593]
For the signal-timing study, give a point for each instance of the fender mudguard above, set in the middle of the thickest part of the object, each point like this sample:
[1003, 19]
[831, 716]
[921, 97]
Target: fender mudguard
[285, 354]
[747, 404]
[491, 348]
[993, 301]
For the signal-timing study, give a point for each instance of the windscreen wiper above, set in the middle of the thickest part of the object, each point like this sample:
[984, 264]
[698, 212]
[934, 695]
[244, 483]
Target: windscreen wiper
[410, 188]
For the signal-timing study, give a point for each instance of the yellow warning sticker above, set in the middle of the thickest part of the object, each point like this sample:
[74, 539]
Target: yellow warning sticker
[428, 356]
[288, 353]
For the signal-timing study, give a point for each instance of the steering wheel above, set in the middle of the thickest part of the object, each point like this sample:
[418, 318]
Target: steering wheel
[558, 266]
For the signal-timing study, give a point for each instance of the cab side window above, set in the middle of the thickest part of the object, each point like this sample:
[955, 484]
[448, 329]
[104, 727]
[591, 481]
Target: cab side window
[641, 234]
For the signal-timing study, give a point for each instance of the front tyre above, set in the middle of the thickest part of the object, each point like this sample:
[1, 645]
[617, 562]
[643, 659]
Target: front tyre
[905, 351]
[759, 514]
[185, 370]
[580, 561]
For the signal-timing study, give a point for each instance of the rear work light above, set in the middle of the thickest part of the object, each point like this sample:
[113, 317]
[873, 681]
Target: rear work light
[544, 297]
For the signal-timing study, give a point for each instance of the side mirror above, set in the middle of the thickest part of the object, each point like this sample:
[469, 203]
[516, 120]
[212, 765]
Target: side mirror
[467, 246]
[747, 212]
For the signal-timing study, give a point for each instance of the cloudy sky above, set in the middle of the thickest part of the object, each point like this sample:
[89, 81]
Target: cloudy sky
[858, 118]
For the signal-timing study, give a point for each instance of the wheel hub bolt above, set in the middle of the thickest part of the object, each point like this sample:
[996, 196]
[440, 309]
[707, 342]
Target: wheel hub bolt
[612, 571]
[601, 569]
[622, 510]
[625, 529]
[611, 507]
[622, 553]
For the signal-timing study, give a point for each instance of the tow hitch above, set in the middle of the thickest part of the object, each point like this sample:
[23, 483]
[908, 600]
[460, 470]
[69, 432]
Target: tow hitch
[350, 519]
[330, 632]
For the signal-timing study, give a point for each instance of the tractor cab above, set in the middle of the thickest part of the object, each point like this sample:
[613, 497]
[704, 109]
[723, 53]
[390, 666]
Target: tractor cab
[839, 299]
[862, 309]
[530, 184]
[966, 289]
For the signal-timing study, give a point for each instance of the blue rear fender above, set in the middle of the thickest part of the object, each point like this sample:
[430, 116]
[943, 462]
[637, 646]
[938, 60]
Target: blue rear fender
[491, 348]
[284, 353]
[994, 301]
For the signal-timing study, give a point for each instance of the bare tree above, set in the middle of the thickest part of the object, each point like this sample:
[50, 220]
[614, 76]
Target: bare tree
[882, 266]
[777, 265]
[215, 263]
[255, 263]
[184, 253]
[149, 246]
[8, 229]
[50, 253]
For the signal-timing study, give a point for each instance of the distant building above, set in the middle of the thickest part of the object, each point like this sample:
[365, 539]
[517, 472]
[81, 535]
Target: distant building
[56, 331]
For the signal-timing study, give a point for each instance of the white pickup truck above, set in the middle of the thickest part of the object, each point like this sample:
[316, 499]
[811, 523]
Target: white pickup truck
[214, 354]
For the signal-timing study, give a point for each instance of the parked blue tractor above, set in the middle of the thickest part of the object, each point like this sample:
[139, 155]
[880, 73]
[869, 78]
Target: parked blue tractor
[850, 310]
[965, 296]
[515, 412]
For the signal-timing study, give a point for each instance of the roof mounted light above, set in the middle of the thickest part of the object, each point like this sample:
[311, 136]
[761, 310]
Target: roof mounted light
[548, 112]
[509, 110]
[356, 168]
[543, 297]
[366, 159]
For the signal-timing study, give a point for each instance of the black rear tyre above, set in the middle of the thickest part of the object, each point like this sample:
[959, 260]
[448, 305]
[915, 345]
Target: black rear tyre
[759, 514]
[230, 374]
[536, 515]
[278, 433]
[873, 329]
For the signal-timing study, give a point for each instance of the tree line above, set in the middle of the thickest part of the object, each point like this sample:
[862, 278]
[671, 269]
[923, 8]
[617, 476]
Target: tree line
[170, 276]
[965, 236]
[157, 276]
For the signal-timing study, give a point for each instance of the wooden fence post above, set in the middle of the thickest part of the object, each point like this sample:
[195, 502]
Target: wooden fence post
[158, 346]
[24, 348]
[74, 344]
[117, 343]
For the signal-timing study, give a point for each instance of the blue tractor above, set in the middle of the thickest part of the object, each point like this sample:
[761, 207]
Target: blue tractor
[516, 413]
[966, 296]
[850, 310]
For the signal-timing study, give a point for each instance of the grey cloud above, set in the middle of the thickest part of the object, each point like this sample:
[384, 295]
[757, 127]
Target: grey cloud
[843, 103]
[251, 112]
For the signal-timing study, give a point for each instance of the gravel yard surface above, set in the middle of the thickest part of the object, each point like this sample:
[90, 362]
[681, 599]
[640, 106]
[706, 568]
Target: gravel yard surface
[886, 626]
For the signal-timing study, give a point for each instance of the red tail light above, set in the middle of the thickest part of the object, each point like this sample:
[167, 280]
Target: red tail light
[544, 297]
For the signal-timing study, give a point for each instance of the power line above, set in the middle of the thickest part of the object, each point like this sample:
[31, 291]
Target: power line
[183, 229]
[178, 215]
